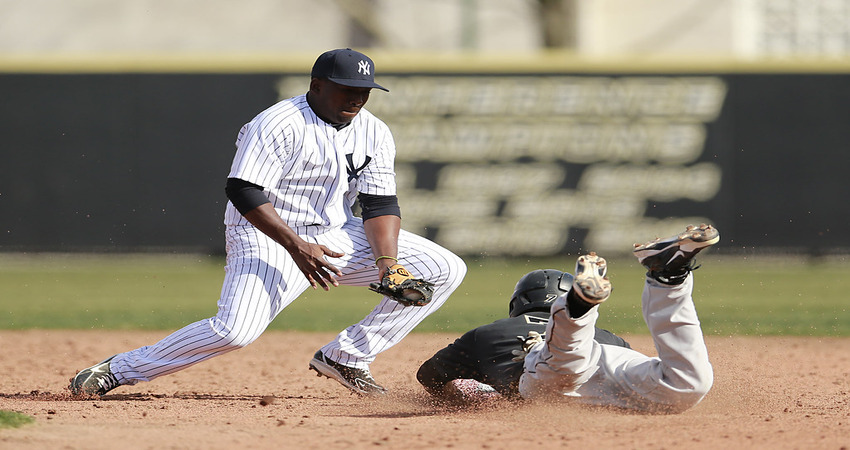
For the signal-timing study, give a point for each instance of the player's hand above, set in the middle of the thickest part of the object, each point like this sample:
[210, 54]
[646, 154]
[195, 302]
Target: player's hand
[384, 265]
[528, 343]
[310, 258]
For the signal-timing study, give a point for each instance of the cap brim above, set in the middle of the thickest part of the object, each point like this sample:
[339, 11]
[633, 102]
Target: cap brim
[358, 83]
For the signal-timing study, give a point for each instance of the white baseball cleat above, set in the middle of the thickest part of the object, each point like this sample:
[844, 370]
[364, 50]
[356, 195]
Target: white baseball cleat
[591, 282]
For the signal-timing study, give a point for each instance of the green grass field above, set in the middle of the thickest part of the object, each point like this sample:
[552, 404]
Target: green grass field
[12, 419]
[734, 295]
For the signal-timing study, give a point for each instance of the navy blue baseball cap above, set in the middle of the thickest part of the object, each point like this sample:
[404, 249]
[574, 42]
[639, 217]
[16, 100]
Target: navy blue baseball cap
[346, 67]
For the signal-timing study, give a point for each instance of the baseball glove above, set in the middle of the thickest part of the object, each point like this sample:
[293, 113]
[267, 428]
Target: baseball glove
[400, 285]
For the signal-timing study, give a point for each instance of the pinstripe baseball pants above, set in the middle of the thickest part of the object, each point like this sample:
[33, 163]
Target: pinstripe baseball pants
[261, 279]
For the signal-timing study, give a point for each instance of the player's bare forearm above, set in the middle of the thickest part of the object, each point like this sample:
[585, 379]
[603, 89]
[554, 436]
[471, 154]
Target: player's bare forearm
[382, 233]
[309, 257]
[266, 219]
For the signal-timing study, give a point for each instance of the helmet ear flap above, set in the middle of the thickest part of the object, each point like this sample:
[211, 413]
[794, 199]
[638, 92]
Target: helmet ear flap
[565, 283]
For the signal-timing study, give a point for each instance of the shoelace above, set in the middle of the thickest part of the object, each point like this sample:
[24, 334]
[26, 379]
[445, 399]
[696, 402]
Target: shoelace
[108, 382]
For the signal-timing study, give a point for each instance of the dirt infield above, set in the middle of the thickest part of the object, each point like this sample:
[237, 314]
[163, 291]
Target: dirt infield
[777, 393]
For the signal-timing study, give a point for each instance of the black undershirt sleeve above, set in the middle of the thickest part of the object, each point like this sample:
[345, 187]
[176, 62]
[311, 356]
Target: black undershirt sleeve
[378, 205]
[244, 195]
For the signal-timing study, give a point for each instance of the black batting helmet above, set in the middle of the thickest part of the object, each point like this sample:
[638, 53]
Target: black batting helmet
[536, 290]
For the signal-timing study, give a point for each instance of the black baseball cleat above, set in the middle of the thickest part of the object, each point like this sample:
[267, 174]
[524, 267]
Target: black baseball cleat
[356, 380]
[670, 260]
[591, 282]
[95, 380]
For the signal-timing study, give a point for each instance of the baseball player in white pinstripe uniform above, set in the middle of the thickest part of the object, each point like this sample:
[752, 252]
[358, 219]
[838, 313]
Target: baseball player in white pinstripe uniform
[299, 167]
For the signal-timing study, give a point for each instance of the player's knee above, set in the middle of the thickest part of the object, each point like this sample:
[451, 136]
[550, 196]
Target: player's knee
[232, 338]
[688, 398]
[455, 265]
[704, 381]
[450, 269]
[231, 342]
[460, 268]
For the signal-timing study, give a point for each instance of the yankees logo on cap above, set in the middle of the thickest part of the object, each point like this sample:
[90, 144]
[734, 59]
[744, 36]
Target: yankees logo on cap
[346, 67]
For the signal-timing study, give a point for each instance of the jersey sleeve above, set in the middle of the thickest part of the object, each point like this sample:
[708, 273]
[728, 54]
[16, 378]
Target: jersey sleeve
[260, 153]
[378, 177]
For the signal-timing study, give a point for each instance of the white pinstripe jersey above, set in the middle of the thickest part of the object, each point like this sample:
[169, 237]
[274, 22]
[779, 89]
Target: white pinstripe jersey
[312, 172]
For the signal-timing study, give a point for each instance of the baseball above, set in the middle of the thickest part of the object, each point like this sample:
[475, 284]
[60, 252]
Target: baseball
[413, 295]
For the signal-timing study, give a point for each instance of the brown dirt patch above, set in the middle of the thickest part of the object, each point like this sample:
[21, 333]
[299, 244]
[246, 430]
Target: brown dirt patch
[772, 393]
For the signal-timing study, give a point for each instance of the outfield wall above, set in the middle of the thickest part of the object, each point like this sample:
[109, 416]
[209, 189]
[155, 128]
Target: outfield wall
[490, 162]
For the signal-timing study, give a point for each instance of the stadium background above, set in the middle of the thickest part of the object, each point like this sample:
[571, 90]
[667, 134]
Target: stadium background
[99, 101]
[511, 142]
